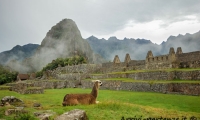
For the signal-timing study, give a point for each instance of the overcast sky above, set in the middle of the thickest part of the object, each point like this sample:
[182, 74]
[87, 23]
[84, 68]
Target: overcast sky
[28, 21]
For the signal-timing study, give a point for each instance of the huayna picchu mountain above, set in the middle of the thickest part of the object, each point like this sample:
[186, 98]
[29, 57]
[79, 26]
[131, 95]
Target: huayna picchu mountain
[61, 41]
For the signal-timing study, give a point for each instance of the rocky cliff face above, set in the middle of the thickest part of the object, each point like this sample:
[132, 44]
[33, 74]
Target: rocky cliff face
[63, 40]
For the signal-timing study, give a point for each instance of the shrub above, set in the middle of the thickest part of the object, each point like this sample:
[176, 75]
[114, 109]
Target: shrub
[24, 117]
[7, 76]
[62, 62]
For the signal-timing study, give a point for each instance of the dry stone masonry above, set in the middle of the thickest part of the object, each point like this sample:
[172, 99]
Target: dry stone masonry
[153, 69]
[171, 60]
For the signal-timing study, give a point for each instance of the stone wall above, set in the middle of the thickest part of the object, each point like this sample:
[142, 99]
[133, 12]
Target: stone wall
[136, 65]
[50, 84]
[171, 60]
[109, 64]
[191, 56]
[153, 75]
[174, 88]
[75, 72]
[189, 60]
[26, 88]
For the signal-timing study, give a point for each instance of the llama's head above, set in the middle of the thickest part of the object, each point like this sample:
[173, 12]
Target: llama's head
[97, 82]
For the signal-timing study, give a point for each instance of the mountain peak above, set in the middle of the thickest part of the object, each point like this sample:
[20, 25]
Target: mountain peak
[63, 40]
[112, 38]
[92, 37]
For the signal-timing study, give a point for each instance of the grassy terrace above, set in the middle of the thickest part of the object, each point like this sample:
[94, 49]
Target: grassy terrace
[152, 81]
[2, 87]
[113, 104]
[164, 70]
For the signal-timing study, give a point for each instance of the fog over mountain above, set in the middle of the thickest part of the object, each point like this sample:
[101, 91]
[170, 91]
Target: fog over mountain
[138, 48]
[62, 40]
[18, 53]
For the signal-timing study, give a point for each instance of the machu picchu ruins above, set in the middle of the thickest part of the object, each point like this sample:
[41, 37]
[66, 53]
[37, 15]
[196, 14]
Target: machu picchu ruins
[171, 60]
[152, 74]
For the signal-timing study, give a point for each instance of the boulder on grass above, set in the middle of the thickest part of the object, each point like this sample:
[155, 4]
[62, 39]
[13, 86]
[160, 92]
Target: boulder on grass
[36, 105]
[44, 115]
[16, 110]
[73, 115]
[12, 100]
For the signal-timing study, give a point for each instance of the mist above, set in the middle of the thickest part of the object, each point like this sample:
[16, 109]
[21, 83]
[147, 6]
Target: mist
[138, 48]
[64, 39]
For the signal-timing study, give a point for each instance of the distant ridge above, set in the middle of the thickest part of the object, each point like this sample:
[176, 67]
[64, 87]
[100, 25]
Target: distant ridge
[64, 40]
[137, 48]
[18, 53]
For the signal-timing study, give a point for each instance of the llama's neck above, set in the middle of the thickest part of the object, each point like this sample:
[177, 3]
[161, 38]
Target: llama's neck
[94, 91]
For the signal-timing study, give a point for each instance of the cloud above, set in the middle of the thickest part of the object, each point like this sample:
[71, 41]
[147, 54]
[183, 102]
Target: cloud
[155, 31]
[25, 21]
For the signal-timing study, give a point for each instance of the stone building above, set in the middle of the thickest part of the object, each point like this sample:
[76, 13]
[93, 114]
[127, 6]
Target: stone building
[170, 60]
[116, 61]
[22, 77]
[162, 61]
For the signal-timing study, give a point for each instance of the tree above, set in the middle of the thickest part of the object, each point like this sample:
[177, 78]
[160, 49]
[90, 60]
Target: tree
[62, 62]
[7, 76]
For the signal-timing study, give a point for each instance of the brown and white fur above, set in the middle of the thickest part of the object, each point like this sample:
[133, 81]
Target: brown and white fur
[75, 99]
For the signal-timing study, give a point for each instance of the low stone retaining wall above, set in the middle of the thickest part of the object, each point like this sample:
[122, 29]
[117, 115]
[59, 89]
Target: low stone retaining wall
[37, 86]
[174, 88]
[26, 88]
[48, 84]
[33, 90]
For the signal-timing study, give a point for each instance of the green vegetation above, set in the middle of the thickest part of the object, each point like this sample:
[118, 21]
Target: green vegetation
[62, 62]
[150, 81]
[113, 104]
[161, 70]
[6, 76]
[24, 117]
[4, 87]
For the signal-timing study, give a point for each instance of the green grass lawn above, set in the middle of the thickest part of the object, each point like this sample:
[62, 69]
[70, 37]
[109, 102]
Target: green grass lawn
[114, 104]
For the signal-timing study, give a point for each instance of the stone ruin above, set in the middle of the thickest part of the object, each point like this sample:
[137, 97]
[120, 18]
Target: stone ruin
[73, 76]
[171, 60]
[15, 105]
[26, 88]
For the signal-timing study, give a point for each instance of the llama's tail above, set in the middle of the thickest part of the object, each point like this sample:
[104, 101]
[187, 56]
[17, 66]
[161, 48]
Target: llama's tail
[65, 98]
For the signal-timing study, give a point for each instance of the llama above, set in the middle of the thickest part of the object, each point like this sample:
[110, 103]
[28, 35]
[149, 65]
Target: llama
[75, 99]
